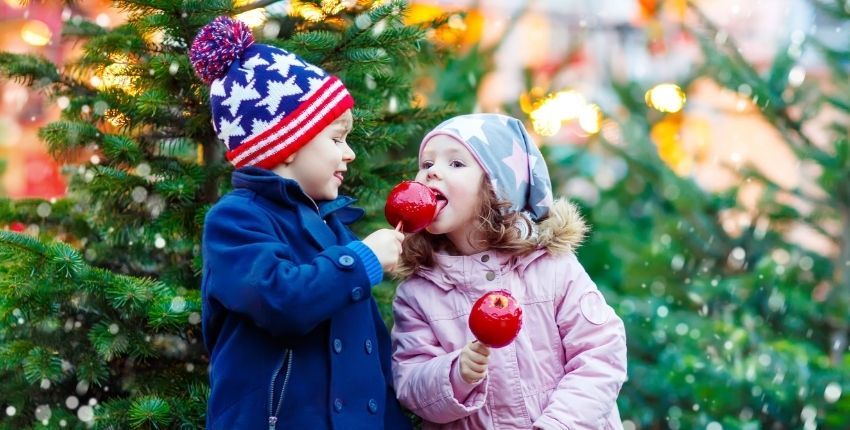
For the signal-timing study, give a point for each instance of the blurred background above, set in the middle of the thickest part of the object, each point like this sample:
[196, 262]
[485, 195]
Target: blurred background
[706, 142]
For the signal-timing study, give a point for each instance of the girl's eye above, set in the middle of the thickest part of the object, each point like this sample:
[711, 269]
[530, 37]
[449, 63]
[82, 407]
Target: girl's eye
[457, 163]
[427, 164]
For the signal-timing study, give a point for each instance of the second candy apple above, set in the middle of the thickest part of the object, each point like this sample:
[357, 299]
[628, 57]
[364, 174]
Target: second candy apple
[495, 319]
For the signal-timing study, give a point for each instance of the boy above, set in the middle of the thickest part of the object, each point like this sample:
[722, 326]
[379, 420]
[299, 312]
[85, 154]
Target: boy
[295, 338]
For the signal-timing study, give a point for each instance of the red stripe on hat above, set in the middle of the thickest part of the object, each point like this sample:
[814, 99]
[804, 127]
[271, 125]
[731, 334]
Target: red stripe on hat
[289, 125]
[270, 157]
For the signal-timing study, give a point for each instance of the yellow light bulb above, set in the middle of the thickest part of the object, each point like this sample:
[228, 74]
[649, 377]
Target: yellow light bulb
[305, 10]
[545, 119]
[568, 104]
[36, 33]
[667, 98]
[119, 76]
[254, 18]
[590, 119]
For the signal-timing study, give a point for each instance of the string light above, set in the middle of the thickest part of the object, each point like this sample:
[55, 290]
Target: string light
[36, 33]
[118, 76]
[590, 119]
[116, 118]
[254, 18]
[547, 117]
[667, 98]
[307, 11]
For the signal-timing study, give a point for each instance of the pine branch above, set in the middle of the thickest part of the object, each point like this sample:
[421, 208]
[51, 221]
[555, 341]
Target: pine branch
[28, 69]
[256, 5]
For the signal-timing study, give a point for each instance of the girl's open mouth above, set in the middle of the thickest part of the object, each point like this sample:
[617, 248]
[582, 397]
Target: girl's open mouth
[441, 202]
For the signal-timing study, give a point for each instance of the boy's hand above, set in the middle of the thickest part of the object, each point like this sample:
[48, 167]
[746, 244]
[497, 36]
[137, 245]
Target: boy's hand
[386, 244]
[473, 361]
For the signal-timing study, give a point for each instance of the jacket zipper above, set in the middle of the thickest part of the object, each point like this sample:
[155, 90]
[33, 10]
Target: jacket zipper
[275, 410]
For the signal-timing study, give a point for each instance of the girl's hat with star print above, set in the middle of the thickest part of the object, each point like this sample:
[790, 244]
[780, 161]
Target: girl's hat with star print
[511, 160]
[266, 102]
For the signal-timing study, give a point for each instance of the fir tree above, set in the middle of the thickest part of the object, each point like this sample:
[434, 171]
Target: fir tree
[99, 302]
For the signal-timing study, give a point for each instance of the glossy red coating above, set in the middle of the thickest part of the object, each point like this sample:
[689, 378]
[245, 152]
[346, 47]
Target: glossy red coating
[495, 319]
[412, 203]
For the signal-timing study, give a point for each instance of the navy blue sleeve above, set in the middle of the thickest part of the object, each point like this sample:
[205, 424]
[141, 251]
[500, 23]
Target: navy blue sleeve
[370, 260]
[250, 272]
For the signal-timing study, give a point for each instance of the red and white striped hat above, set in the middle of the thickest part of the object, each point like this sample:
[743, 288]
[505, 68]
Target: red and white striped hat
[266, 102]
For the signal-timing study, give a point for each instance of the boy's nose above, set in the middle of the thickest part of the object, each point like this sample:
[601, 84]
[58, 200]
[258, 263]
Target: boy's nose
[348, 154]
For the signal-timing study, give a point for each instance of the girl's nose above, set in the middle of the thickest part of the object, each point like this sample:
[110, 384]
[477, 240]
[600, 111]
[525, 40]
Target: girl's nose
[433, 173]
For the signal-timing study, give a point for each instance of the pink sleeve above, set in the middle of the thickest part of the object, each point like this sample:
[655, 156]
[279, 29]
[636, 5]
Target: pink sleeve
[594, 341]
[422, 370]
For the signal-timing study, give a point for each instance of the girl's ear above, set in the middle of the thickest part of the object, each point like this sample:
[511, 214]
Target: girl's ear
[289, 159]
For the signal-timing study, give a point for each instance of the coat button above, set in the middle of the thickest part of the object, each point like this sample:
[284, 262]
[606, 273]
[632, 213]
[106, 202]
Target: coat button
[373, 406]
[368, 346]
[346, 261]
[337, 346]
[491, 275]
[485, 258]
[338, 405]
[357, 294]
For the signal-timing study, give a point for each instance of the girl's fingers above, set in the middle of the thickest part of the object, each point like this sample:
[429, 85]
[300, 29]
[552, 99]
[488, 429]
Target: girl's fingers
[478, 358]
[475, 367]
[480, 348]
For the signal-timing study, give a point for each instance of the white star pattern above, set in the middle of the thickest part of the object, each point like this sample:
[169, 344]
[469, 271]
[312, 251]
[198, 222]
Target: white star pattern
[239, 94]
[467, 127]
[518, 163]
[546, 201]
[255, 61]
[230, 129]
[315, 84]
[314, 69]
[277, 91]
[259, 126]
[532, 161]
[248, 66]
[217, 88]
[282, 63]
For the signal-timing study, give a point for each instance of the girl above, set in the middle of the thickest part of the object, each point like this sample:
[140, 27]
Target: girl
[498, 228]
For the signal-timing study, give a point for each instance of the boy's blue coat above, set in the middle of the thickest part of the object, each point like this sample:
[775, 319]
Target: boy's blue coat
[277, 276]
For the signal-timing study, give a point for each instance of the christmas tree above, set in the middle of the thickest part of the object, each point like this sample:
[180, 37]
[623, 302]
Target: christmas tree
[99, 300]
[733, 321]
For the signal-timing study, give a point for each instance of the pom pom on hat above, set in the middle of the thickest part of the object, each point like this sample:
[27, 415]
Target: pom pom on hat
[217, 45]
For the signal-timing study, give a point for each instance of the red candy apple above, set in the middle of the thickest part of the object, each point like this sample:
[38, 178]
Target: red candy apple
[495, 319]
[411, 203]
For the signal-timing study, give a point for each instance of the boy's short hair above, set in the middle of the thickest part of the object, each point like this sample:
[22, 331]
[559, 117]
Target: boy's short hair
[266, 102]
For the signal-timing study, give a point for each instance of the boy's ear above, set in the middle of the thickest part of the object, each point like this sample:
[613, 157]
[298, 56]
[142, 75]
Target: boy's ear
[289, 159]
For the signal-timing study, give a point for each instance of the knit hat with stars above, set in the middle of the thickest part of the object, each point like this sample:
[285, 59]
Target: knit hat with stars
[509, 157]
[266, 102]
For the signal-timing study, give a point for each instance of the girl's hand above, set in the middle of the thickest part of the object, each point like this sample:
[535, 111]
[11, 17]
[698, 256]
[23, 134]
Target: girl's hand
[473, 361]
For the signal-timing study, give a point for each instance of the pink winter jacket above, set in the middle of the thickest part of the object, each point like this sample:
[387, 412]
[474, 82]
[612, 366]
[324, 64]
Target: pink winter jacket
[563, 371]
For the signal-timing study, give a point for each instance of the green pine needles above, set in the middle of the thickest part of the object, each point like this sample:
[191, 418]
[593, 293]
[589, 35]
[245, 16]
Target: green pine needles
[99, 298]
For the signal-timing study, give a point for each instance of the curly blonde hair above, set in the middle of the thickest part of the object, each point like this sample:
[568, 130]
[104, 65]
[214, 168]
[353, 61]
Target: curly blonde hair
[494, 218]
